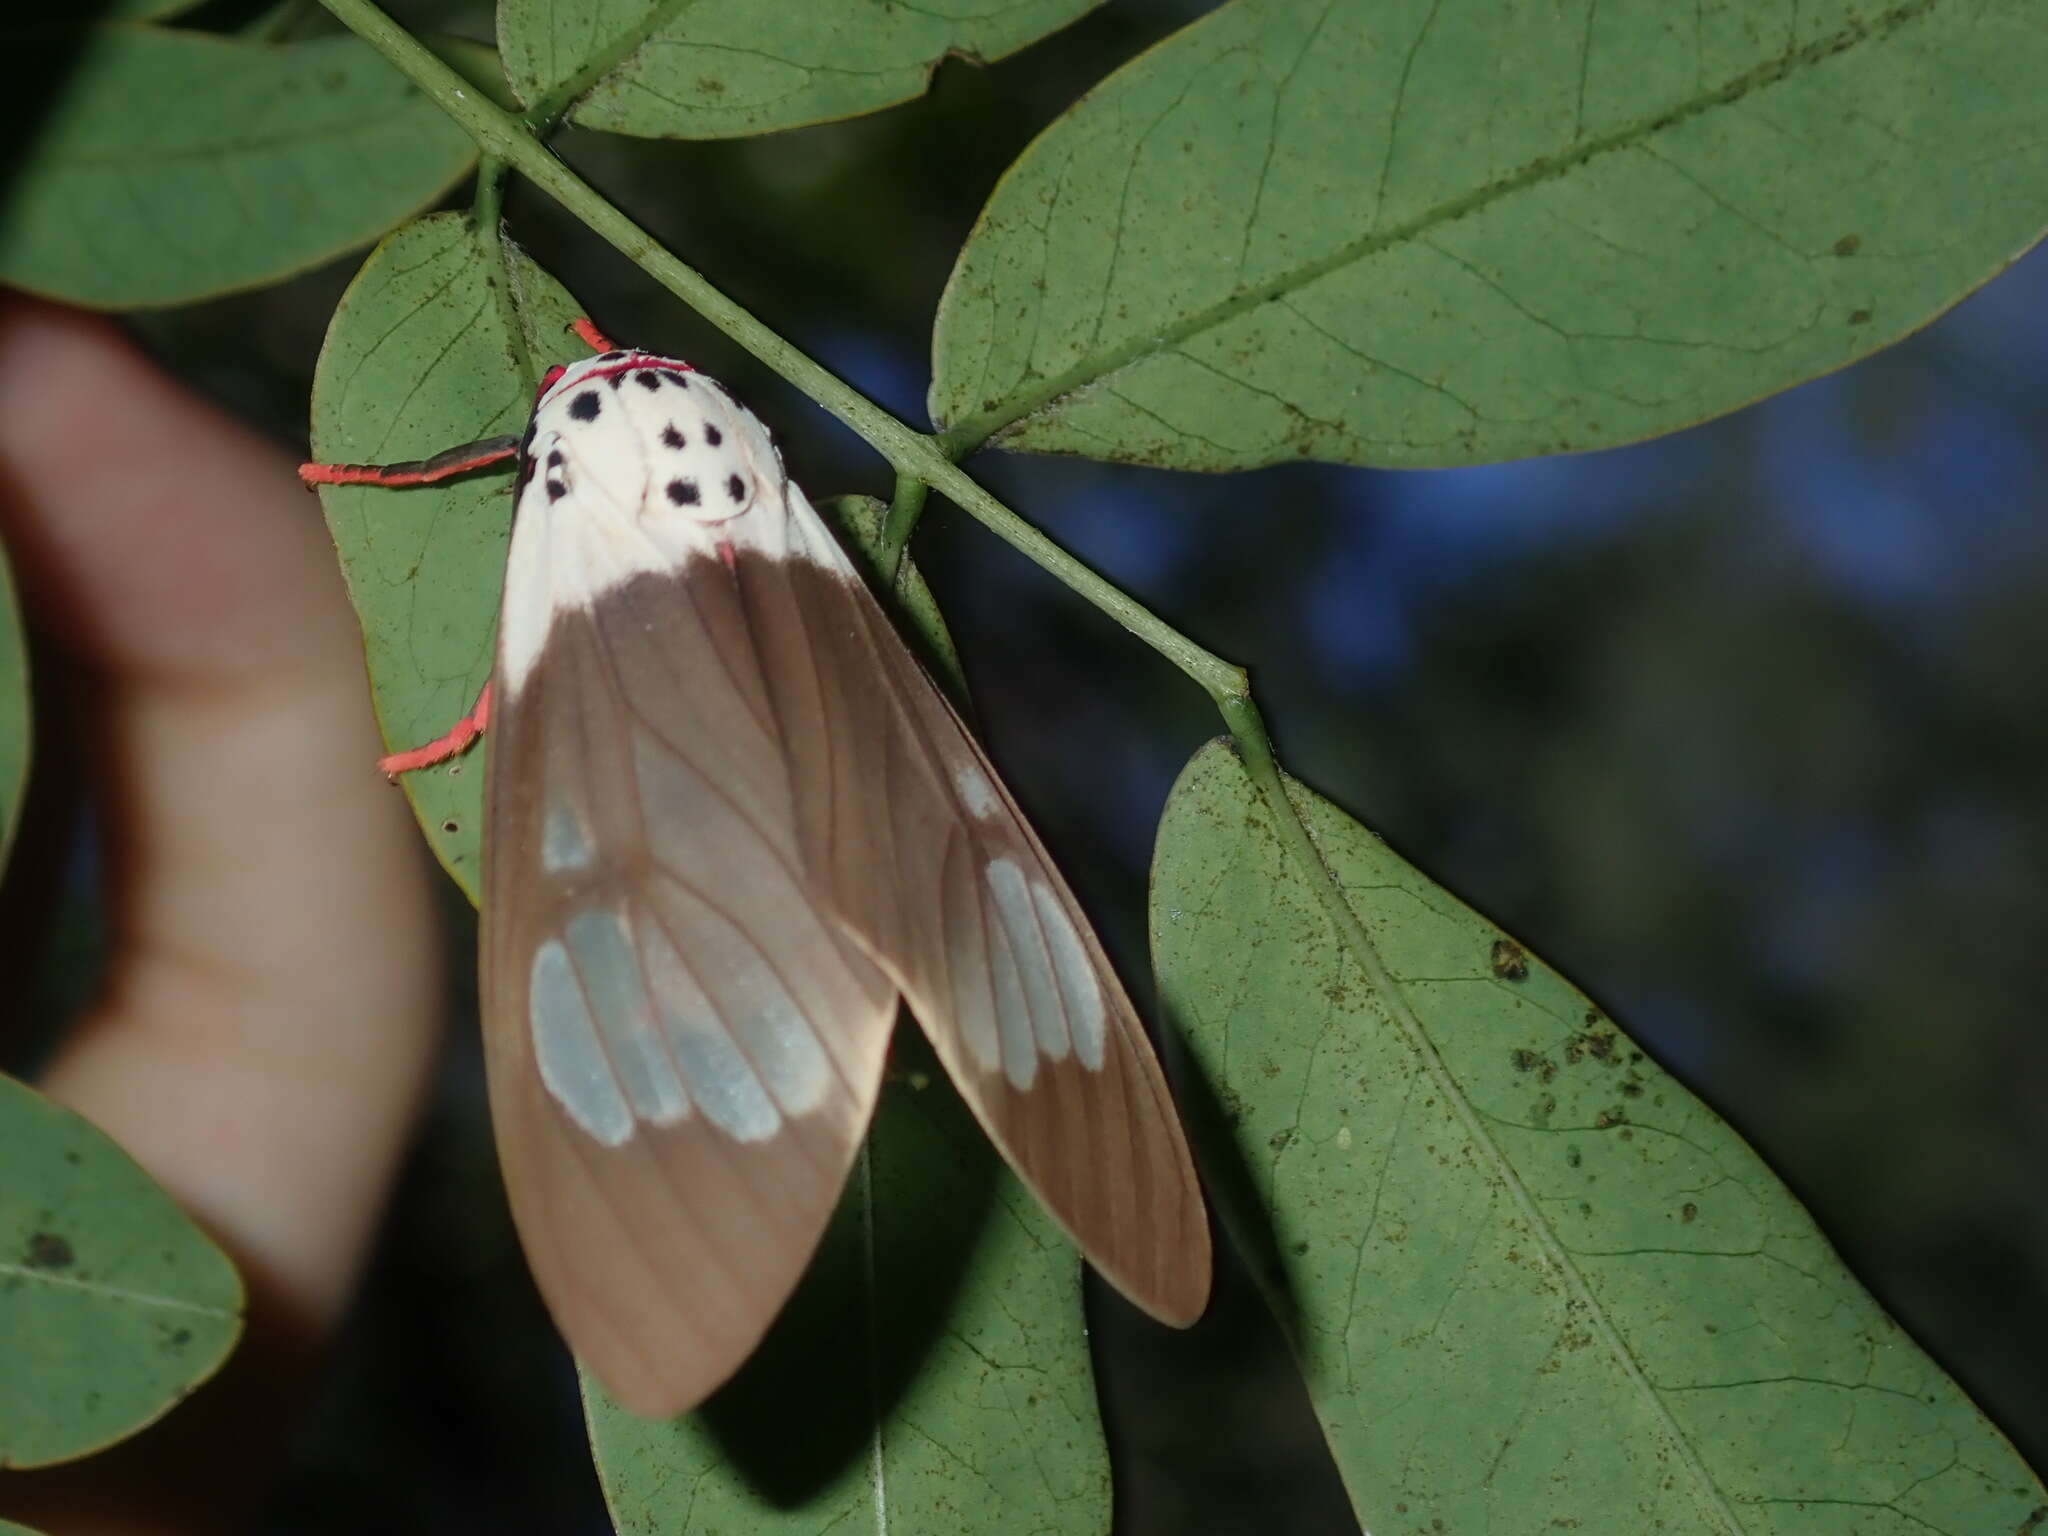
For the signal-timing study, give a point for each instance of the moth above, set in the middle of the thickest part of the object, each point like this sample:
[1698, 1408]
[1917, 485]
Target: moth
[729, 822]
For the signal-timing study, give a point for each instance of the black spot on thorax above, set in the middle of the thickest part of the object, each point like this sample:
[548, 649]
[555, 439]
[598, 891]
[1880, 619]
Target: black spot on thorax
[683, 492]
[586, 406]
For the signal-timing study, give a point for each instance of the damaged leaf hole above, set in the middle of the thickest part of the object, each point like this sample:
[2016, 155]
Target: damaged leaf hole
[46, 1250]
[1509, 961]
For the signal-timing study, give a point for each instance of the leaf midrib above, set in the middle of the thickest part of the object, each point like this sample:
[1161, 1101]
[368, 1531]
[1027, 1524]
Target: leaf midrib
[971, 432]
[1394, 1005]
[114, 1293]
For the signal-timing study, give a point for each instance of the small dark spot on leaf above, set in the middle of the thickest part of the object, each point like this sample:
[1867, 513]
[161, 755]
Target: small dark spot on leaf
[1300, 1248]
[46, 1250]
[1573, 1157]
[1848, 245]
[1633, 1090]
[1509, 960]
[1688, 1212]
[1279, 1140]
[586, 405]
[451, 826]
[1607, 1119]
[1859, 317]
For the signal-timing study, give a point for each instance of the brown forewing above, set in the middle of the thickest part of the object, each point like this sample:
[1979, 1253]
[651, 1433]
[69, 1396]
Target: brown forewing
[664, 1258]
[875, 758]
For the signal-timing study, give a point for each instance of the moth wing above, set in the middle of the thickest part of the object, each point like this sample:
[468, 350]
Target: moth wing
[683, 1053]
[915, 843]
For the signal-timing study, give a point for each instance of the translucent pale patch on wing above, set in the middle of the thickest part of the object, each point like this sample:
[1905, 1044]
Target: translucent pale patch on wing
[763, 1020]
[1079, 986]
[976, 793]
[566, 1049]
[604, 958]
[722, 1082]
[564, 841]
[1015, 958]
[1033, 949]
[967, 949]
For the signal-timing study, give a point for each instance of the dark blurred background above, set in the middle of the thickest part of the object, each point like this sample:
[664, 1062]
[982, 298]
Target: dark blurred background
[1743, 729]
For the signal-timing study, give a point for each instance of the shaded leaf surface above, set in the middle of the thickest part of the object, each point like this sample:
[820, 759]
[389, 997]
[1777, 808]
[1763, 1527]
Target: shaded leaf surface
[1435, 232]
[1537, 1285]
[113, 1305]
[177, 165]
[422, 356]
[707, 69]
[16, 723]
[943, 1306]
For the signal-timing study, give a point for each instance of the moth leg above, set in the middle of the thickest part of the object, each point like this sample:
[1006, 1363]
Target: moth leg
[442, 466]
[590, 335]
[465, 731]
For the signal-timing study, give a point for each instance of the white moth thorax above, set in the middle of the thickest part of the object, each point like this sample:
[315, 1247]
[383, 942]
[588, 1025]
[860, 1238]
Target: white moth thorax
[638, 465]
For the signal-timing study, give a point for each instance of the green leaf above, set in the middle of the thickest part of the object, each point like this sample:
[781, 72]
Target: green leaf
[421, 356]
[16, 722]
[929, 1377]
[178, 165]
[9, 1528]
[147, 10]
[1428, 233]
[1536, 1285]
[717, 69]
[113, 1305]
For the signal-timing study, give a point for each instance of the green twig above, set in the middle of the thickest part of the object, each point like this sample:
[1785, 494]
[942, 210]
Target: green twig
[921, 461]
[901, 522]
[910, 452]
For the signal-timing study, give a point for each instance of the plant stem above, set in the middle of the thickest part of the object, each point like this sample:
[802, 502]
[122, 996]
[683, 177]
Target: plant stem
[922, 462]
[898, 526]
[912, 453]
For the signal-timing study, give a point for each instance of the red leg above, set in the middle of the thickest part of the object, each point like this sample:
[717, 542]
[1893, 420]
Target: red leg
[466, 730]
[591, 336]
[442, 466]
